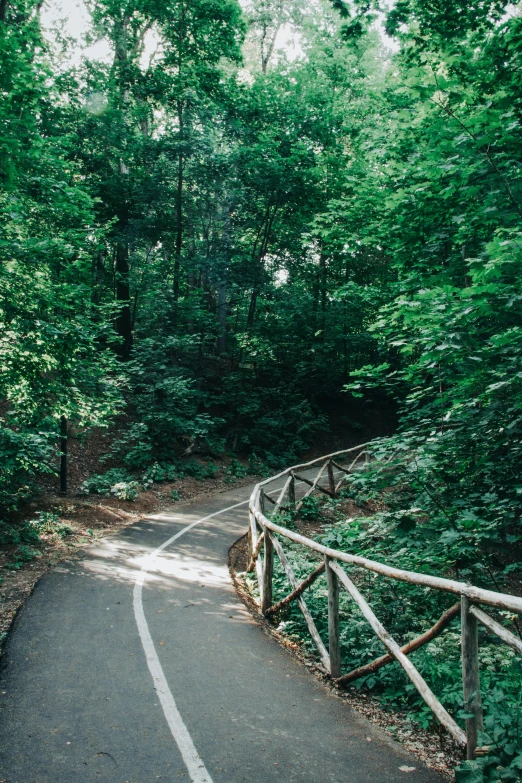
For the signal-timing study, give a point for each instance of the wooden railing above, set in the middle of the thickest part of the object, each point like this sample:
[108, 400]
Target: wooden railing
[265, 540]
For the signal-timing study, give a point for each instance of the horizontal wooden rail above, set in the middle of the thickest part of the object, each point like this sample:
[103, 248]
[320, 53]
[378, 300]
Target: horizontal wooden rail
[313, 485]
[314, 633]
[492, 625]
[263, 532]
[478, 594]
[415, 644]
[394, 649]
[311, 464]
[305, 584]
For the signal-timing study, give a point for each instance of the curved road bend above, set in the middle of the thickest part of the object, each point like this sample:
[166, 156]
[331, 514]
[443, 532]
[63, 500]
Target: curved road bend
[129, 667]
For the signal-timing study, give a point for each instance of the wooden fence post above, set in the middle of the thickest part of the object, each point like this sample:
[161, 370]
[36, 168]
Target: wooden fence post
[334, 647]
[291, 492]
[251, 523]
[331, 478]
[262, 504]
[268, 568]
[470, 677]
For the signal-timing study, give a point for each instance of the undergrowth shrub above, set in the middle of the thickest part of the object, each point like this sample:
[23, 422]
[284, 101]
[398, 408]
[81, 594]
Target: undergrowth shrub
[101, 483]
[167, 403]
[133, 447]
[49, 524]
[235, 470]
[268, 416]
[198, 470]
[160, 471]
[24, 454]
[126, 490]
[310, 509]
[13, 534]
[24, 554]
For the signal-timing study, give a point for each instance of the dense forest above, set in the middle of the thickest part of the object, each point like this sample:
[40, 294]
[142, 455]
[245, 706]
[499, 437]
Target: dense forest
[255, 222]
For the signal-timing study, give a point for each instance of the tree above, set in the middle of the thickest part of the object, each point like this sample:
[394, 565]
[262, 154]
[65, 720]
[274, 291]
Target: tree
[53, 339]
[177, 85]
[266, 18]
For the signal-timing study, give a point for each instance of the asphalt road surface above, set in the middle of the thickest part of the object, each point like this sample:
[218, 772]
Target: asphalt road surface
[138, 663]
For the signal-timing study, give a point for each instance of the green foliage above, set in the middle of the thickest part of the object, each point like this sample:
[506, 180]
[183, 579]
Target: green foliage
[165, 401]
[199, 470]
[54, 355]
[101, 483]
[24, 554]
[133, 447]
[24, 455]
[503, 734]
[310, 509]
[408, 538]
[160, 471]
[120, 231]
[256, 466]
[126, 490]
[285, 517]
[117, 482]
[13, 534]
[47, 523]
[235, 470]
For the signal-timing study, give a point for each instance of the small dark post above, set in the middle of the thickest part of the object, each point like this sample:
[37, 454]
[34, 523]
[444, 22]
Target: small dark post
[63, 457]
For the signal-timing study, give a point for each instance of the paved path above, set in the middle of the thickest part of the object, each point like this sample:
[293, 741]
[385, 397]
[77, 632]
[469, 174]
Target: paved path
[131, 668]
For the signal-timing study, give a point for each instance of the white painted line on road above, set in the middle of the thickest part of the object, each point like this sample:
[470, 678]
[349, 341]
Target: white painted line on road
[195, 766]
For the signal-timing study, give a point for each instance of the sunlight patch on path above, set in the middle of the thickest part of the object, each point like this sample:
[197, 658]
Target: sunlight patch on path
[195, 766]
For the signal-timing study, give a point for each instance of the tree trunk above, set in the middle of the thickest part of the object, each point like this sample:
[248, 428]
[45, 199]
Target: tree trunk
[345, 331]
[123, 319]
[252, 309]
[191, 287]
[264, 233]
[269, 36]
[323, 285]
[315, 306]
[222, 286]
[179, 196]
[222, 314]
[179, 229]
